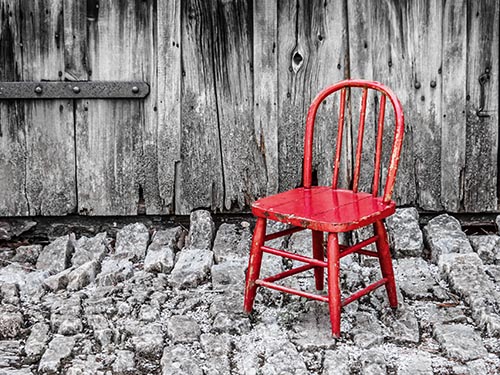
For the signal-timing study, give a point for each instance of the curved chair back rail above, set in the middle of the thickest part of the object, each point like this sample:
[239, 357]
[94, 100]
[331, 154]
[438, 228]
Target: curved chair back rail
[397, 141]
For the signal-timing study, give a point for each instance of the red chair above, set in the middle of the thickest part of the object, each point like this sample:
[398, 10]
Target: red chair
[332, 210]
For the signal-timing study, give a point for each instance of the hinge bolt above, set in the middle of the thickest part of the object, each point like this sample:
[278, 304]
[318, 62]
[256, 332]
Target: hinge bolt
[433, 83]
[417, 85]
[135, 90]
[38, 89]
[76, 90]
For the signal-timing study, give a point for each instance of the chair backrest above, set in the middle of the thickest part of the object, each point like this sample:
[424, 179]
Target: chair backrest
[343, 87]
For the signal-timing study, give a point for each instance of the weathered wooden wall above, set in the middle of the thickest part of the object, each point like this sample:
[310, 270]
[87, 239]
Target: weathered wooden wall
[231, 81]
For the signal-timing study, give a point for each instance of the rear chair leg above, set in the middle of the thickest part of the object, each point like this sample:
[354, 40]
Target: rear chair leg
[386, 263]
[319, 272]
[254, 263]
[334, 301]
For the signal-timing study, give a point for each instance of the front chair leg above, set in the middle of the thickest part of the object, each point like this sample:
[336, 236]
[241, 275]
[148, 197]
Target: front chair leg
[386, 263]
[334, 301]
[254, 263]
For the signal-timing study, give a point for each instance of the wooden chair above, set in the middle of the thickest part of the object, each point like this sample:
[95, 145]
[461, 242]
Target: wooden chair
[332, 210]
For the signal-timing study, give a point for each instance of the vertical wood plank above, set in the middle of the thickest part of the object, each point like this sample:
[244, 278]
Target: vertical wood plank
[75, 40]
[49, 165]
[169, 99]
[378, 48]
[424, 45]
[360, 67]
[311, 47]
[291, 93]
[199, 181]
[482, 132]
[113, 135]
[150, 201]
[13, 199]
[453, 93]
[242, 155]
[265, 86]
[327, 40]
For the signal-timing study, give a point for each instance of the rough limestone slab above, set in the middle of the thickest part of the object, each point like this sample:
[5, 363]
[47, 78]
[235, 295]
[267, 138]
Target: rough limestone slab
[148, 344]
[405, 236]
[132, 240]
[27, 254]
[30, 284]
[11, 322]
[124, 362]
[232, 242]
[36, 342]
[402, 326]
[57, 281]
[88, 249]
[414, 277]
[10, 353]
[373, 362]
[487, 247]
[55, 257]
[9, 293]
[59, 348]
[192, 268]
[444, 235]
[183, 329]
[160, 255]
[229, 274]
[217, 348]
[201, 230]
[367, 332]
[338, 361]
[114, 270]
[417, 363]
[466, 276]
[460, 341]
[178, 360]
[83, 275]
[66, 315]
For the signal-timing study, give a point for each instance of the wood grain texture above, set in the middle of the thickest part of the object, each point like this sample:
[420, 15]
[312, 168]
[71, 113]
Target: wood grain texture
[311, 55]
[117, 172]
[360, 66]
[199, 178]
[75, 40]
[424, 50]
[48, 182]
[13, 199]
[453, 93]
[265, 86]
[482, 132]
[378, 50]
[169, 99]
[242, 157]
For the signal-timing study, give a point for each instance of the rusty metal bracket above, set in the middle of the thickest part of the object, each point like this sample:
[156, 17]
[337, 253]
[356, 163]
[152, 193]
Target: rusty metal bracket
[73, 90]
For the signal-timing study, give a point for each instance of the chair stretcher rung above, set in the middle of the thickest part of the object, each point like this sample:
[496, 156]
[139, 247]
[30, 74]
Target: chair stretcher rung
[362, 292]
[300, 258]
[287, 273]
[282, 233]
[358, 248]
[285, 289]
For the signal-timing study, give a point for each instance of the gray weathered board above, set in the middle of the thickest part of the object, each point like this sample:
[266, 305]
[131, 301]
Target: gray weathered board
[230, 82]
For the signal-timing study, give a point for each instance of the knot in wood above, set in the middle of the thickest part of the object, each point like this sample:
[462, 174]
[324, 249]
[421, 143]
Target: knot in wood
[297, 61]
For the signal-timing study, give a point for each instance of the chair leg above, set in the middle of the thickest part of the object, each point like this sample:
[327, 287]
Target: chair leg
[254, 263]
[386, 263]
[319, 272]
[334, 301]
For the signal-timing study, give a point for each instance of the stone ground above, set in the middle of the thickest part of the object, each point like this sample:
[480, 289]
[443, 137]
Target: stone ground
[170, 302]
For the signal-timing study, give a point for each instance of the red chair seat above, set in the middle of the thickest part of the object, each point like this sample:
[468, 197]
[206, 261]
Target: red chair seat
[323, 209]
